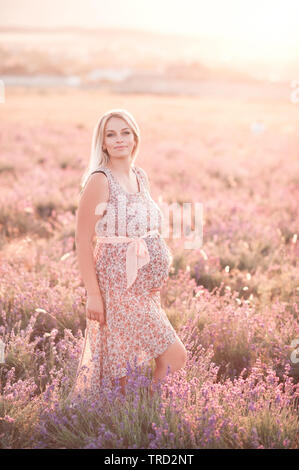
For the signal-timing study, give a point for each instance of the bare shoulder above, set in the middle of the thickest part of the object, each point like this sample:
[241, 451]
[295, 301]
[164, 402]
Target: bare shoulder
[96, 188]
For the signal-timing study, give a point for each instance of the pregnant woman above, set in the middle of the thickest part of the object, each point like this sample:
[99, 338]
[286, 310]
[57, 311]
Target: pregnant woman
[124, 274]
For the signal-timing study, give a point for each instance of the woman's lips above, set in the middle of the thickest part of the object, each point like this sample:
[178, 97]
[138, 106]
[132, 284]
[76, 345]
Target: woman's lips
[120, 147]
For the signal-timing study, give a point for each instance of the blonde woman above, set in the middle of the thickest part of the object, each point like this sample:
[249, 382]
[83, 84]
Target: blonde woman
[124, 274]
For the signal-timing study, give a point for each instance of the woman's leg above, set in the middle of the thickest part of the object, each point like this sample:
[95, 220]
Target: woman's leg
[122, 381]
[175, 356]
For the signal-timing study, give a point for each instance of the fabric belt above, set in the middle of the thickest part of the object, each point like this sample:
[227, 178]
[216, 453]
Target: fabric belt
[137, 253]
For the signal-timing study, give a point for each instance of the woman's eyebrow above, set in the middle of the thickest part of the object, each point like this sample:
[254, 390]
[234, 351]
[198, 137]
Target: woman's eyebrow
[111, 130]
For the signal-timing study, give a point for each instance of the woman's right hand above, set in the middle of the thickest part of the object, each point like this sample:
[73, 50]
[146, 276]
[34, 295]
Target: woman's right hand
[95, 309]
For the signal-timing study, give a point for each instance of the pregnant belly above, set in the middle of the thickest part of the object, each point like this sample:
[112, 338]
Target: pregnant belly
[111, 268]
[154, 274]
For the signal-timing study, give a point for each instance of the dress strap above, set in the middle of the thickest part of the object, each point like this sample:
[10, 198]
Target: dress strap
[100, 170]
[95, 171]
[108, 175]
[142, 177]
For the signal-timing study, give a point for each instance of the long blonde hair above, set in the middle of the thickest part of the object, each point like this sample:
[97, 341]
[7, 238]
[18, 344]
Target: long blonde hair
[100, 157]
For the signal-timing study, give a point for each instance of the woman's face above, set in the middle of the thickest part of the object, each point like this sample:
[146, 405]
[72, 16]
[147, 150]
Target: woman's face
[118, 134]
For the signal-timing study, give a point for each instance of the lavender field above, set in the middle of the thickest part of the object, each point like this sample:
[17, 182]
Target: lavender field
[233, 302]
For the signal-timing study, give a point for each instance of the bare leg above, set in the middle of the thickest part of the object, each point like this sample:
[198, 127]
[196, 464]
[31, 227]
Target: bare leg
[122, 382]
[175, 356]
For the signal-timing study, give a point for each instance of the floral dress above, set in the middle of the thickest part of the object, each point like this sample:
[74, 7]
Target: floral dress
[137, 328]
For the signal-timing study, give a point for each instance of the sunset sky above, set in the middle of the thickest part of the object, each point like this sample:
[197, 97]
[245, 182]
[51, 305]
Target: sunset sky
[257, 28]
[265, 19]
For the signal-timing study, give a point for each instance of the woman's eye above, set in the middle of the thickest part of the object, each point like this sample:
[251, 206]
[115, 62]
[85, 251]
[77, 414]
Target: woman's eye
[109, 135]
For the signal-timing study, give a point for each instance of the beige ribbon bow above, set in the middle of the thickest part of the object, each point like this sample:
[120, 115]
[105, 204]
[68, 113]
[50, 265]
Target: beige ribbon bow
[137, 256]
[137, 253]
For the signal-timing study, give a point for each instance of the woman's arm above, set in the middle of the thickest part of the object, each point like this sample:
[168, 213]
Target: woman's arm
[95, 192]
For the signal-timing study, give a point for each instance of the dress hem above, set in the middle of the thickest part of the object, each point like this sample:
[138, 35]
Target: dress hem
[169, 343]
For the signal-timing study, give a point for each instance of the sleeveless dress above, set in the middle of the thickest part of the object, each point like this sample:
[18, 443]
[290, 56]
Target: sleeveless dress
[137, 328]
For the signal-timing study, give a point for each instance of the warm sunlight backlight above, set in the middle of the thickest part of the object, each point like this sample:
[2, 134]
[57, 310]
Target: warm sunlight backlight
[255, 29]
[261, 30]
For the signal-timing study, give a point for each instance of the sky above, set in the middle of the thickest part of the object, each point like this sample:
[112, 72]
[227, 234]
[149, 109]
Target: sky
[251, 31]
[267, 21]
